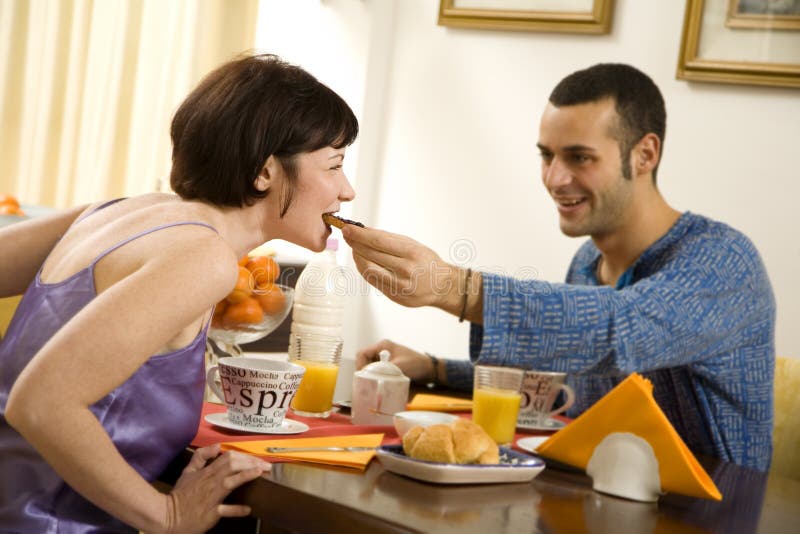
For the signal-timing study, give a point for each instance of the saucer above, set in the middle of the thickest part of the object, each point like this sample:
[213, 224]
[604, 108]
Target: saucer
[344, 404]
[288, 426]
[532, 443]
[549, 425]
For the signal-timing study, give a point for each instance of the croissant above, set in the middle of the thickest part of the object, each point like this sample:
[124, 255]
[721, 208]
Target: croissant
[460, 442]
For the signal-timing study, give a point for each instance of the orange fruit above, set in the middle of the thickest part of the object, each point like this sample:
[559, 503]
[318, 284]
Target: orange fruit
[265, 270]
[271, 298]
[244, 311]
[9, 200]
[242, 288]
[10, 209]
[219, 310]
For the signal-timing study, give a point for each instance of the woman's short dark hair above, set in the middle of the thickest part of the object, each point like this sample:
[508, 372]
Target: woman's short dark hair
[637, 100]
[242, 113]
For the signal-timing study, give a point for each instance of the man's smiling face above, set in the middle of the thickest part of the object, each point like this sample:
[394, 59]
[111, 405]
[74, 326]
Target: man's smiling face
[582, 167]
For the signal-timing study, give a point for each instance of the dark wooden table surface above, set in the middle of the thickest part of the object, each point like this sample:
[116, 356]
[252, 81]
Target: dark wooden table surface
[298, 497]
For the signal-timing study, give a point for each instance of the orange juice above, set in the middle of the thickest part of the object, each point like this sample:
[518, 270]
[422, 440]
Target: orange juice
[315, 394]
[496, 411]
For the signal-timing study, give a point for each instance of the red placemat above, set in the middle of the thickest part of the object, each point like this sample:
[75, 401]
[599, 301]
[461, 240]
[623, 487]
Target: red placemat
[335, 425]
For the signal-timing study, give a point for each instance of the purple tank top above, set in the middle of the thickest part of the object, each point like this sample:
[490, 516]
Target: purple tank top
[150, 418]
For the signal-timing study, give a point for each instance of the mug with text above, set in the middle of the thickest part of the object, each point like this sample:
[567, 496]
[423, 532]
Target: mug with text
[257, 392]
[540, 390]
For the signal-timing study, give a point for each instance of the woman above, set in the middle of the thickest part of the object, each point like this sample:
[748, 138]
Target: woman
[101, 370]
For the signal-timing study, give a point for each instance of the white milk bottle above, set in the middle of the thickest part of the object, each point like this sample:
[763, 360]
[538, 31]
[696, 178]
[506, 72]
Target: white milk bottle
[319, 295]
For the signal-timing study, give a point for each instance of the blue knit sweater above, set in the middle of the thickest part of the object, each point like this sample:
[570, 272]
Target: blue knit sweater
[695, 314]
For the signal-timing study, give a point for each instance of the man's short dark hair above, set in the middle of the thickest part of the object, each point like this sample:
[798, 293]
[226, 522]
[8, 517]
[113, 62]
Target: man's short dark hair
[637, 100]
[243, 112]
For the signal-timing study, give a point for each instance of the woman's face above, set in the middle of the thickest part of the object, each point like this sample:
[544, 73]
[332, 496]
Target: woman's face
[320, 187]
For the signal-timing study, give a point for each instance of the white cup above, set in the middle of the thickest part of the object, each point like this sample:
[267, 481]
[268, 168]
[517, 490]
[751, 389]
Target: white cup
[539, 392]
[257, 392]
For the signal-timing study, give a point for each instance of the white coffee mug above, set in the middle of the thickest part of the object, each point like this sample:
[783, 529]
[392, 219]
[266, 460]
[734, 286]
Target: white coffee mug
[257, 392]
[540, 390]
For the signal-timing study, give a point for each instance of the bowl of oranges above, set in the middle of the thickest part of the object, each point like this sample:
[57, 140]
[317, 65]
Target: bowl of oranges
[256, 305]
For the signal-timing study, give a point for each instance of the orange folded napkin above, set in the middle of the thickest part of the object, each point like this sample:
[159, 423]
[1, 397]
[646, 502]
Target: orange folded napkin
[439, 403]
[358, 460]
[630, 407]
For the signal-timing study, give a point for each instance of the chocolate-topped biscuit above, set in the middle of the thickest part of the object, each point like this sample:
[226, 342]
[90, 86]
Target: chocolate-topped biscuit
[339, 222]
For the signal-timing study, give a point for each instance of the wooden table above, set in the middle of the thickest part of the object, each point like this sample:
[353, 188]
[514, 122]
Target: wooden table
[305, 498]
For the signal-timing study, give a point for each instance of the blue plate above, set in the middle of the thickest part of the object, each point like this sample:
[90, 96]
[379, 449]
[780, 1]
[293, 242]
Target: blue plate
[513, 467]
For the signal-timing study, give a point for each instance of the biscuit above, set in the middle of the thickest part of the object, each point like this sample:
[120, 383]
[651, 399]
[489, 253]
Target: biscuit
[339, 222]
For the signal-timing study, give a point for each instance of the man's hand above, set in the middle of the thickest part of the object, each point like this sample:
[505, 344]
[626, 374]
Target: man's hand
[404, 270]
[414, 365]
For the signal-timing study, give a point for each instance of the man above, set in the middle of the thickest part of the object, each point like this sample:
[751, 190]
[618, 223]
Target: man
[679, 298]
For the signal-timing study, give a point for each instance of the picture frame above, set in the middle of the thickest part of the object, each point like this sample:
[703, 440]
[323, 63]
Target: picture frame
[713, 51]
[567, 16]
[784, 15]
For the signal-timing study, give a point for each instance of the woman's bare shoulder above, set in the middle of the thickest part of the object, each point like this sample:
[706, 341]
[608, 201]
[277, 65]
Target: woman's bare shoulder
[200, 255]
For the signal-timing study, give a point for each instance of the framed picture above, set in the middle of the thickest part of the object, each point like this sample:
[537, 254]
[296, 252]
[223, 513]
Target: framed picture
[571, 16]
[774, 14]
[714, 51]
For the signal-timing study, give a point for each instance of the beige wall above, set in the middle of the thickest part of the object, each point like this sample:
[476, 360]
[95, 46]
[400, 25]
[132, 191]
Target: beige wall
[449, 124]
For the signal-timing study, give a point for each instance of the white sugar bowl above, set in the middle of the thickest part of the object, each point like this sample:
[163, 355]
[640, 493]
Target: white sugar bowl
[380, 390]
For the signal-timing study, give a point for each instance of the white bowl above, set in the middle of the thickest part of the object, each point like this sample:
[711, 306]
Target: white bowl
[403, 421]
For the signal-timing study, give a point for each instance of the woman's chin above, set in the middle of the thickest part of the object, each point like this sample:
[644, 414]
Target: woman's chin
[315, 245]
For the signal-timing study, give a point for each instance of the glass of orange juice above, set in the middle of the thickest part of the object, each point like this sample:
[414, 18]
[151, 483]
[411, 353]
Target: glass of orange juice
[495, 400]
[320, 355]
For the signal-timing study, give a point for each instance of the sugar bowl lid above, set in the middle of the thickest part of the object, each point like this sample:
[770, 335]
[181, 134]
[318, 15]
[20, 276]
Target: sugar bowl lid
[383, 367]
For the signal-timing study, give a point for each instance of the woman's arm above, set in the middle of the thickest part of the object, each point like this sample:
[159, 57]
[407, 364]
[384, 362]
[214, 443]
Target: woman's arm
[25, 245]
[100, 348]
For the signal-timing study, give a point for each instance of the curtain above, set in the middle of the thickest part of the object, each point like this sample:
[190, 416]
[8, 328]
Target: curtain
[88, 89]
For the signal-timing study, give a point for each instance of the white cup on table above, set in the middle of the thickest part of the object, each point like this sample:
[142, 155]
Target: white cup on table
[257, 392]
[540, 390]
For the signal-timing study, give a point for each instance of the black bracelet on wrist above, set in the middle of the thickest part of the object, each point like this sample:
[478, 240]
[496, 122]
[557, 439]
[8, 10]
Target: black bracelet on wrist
[435, 362]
